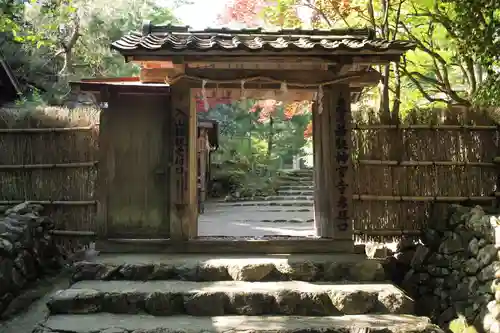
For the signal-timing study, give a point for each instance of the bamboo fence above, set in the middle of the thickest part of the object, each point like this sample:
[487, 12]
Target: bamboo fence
[406, 175]
[49, 156]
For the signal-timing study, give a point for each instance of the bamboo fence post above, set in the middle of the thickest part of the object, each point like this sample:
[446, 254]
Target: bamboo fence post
[496, 160]
[464, 152]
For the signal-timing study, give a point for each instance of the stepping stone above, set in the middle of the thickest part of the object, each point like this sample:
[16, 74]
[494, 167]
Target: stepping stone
[268, 198]
[265, 209]
[288, 198]
[294, 220]
[296, 187]
[124, 323]
[144, 267]
[166, 298]
[296, 192]
[283, 203]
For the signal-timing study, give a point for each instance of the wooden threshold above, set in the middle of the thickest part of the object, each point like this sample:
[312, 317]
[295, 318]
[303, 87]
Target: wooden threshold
[207, 245]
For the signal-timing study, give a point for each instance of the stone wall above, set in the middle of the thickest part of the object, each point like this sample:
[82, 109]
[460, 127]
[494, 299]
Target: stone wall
[451, 271]
[27, 251]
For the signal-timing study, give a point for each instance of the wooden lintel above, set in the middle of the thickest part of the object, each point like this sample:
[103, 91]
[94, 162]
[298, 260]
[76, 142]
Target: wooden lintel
[276, 59]
[259, 65]
[364, 58]
[310, 78]
[160, 75]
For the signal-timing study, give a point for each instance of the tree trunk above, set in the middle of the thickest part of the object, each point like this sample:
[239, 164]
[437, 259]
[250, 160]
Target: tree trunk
[384, 109]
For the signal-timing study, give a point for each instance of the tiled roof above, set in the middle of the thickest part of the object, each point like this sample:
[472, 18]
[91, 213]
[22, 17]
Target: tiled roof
[178, 39]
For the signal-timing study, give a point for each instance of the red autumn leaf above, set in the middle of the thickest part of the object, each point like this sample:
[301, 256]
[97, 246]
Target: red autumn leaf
[242, 11]
[309, 130]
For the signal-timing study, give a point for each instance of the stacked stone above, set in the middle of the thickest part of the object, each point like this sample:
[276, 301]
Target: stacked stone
[27, 250]
[451, 272]
[491, 322]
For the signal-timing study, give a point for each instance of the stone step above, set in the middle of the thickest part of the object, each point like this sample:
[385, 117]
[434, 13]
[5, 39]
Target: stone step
[282, 203]
[288, 197]
[296, 180]
[288, 220]
[198, 267]
[124, 323]
[295, 192]
[296, 188]
[263, 216]
[270, 198]
[298, 172]
[167, 298]
[252, 209]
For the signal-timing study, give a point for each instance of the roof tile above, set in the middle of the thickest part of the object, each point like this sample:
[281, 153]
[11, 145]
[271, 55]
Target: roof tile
[178, 39]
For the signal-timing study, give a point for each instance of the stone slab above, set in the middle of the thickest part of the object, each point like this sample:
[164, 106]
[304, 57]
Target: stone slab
[237, 215]
[296, 187]
[166, 298]
[279, 203]
[109, 323]
[303, 267]
[296, 192]
[213, 208]
[289, 198]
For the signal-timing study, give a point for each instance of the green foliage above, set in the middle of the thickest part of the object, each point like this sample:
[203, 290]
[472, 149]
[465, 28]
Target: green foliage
[251, 151]
[53, 42]
[456, 60]
[460, 325]
[488, 92]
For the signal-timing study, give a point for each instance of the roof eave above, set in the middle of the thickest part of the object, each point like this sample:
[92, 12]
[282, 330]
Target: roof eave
[149, 54]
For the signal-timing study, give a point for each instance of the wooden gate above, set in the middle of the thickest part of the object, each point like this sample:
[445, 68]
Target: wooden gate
[134, 167]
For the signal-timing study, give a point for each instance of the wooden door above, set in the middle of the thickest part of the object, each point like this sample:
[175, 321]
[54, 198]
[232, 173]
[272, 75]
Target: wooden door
[134, 168]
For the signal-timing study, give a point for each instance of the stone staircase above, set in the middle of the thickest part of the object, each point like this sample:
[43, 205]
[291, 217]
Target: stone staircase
[292, 203]
[223, 293]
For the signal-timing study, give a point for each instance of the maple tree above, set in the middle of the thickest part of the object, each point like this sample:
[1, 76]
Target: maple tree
[288, 14]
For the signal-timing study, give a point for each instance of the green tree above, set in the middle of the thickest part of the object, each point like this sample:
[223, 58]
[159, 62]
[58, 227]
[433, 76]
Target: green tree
[457, 43]
[74, 38]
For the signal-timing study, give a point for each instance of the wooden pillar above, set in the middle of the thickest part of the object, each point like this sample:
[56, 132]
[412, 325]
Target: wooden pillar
[192, 222]
[183, 212]
[317, 157]
[202, 158]
[102, 174]
[332, 164]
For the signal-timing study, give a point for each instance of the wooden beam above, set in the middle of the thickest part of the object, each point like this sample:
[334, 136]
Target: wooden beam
[259, 65]
[305, 79]
[257, 58]
[159, 74]
[364, 57]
